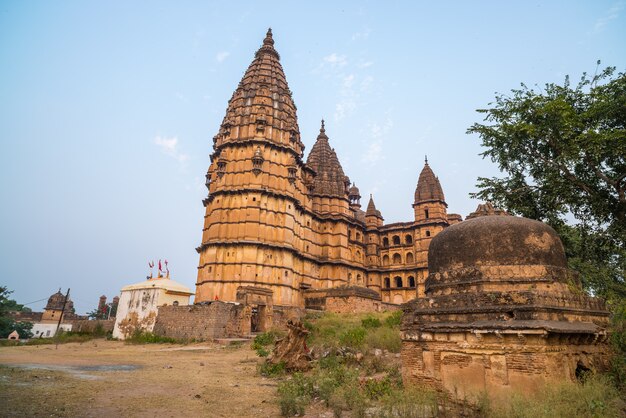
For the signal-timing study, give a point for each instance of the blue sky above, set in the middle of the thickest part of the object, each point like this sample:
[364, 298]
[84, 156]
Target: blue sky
[108, 109]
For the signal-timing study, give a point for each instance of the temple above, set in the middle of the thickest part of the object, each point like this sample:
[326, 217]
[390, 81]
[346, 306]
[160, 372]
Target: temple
[275, 222]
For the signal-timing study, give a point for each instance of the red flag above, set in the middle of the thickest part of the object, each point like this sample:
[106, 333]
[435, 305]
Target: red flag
[216, 297]
[160, 269]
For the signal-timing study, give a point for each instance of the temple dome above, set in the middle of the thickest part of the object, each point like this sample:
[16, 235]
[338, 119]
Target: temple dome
[494, 241]
[56, 301]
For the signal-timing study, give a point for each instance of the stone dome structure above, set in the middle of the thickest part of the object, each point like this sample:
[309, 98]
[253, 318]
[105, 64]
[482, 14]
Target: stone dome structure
[56, 302]
[501, 311]
[495, 240]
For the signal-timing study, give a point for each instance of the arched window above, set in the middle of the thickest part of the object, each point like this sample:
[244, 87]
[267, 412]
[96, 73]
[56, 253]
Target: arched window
[408, 239]
[411, 281]
[358, 236]
[427, 233]
[409, 258]
[398, 281]
[396, 240]
[358, 280]
[385, 242]
[426, 213]
[358, 255]
[385, 260]
[397, 259]
[387, 283]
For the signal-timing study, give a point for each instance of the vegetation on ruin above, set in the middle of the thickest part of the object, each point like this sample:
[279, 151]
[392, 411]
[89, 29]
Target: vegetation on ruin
[362, 378]
[356, 332]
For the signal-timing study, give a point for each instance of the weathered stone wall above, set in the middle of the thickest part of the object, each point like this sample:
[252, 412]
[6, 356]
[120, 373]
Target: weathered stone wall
[89, 326]
[346, 299]
[466, 365]
[200, 322]
[282, 314]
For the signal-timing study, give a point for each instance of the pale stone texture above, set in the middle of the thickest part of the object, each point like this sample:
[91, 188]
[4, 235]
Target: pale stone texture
[138, 304]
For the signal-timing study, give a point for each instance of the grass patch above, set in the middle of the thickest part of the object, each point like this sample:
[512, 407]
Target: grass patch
[596, 397]
[358, 332]
[143, 337]
[410, 402]
[63, 338]
[384, 338]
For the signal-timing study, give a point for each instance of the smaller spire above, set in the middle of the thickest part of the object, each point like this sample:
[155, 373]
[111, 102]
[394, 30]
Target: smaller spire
[426, 159]
[371, 207]
[322, 131]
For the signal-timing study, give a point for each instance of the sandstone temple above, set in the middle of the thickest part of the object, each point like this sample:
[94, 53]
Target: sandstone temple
[293, 230]
[488, 302]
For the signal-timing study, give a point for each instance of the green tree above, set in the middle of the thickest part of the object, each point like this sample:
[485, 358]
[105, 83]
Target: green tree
[562, 150]
[7, 323]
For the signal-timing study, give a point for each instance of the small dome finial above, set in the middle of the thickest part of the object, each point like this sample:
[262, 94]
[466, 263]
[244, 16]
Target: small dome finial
[323, 128]
[268, 38]
[426, 159]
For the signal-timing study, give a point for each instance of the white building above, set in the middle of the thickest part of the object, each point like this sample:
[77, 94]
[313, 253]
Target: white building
[48, 329]
[137, 309]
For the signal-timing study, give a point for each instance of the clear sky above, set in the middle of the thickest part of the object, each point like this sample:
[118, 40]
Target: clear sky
[108, 109]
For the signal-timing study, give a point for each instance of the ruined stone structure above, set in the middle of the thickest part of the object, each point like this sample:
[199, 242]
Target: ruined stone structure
[217, 319]
[276, 222]
[501, 311]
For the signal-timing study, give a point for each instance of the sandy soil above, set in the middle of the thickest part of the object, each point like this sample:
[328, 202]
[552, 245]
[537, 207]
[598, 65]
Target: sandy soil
[108, 378]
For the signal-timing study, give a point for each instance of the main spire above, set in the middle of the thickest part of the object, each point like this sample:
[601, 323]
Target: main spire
[262, 107]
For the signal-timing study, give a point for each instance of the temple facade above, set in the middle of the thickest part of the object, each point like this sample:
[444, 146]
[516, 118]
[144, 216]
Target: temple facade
[275, 221]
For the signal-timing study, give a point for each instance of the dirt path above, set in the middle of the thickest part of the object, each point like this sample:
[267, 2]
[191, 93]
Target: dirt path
[139, 381]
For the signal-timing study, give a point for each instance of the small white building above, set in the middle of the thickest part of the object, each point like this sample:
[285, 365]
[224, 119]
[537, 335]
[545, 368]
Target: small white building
[138, 306]
[48, 329]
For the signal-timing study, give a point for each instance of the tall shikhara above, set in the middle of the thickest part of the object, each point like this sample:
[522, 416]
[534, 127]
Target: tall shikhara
[276, 223]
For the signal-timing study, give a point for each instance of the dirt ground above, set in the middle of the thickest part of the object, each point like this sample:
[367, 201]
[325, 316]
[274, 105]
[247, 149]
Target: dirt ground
[103, 378]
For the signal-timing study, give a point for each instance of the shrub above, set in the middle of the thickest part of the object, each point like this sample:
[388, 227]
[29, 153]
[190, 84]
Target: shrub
[265, 339]
[290, 402]
[394, 320]
[353, 338]
[375, 389]
[271, 369]
[348, 397]
[370, 322]
[262, 352]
